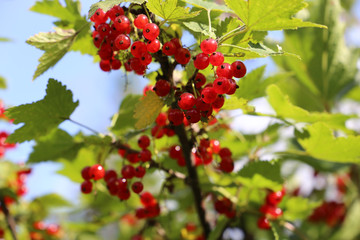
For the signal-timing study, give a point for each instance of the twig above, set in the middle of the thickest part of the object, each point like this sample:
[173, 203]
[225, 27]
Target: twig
[293, 229]
[9, 219]
[82, 125]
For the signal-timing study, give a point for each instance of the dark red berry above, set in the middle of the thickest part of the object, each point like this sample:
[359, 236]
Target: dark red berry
[233, 87]
[140, 21]
[201, 61]
[186, 101]
[145, 155]
[115, 64]
[224, 70]
[124, 194]
[182, 56]
[225, 152]
[151, 31]
[226, 165]
[175, 116]
[144, 142]
[238, 69]
[140, 171]
[221, 85]
[175, 152]
[122, 183]
[103, 29]
[208, 95]
[85, 173]
[137, 187]
[153, 46]
[138, 48]
[122, 42]
[114, 12]
[162, 88]
[216, 58]
[128, 171]
[110, 174]
[193, 115]
[147, 199]
[97, 172]
[86, 187]
[105, 52]
[169, 48]
[208, 46]
[122, 23]
[200, 80]
[145, 58]
[219, 102]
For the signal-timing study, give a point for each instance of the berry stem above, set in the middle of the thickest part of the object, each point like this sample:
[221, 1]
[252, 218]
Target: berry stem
[209, 18]
[82, 125]
[8, 218]
[232, 33]
[193, 179]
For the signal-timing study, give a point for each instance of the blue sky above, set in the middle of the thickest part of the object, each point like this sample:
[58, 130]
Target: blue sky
[99, 93]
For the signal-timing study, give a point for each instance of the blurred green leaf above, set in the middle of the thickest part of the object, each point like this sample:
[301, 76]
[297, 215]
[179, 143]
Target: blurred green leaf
[234, 102]
[319, 141]
[57, 144]
[52, 200]
[2, 39]
[41, 117]
[354, 94]
[298, 208]
[169, 10]
[265, 15]
[147, 109]
[285, 109]
[8, 192]
[2, 83]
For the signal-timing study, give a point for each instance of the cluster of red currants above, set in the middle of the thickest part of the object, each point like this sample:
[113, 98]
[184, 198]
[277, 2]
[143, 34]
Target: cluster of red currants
[225, 206]
[112, 36]
[150, 207]
[41, 231]
[270, 208]
[332, 213]
[3, 144]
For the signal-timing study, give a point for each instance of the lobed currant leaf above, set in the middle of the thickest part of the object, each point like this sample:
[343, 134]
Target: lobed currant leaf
[147, 109]
[41, 117]
[238, 103]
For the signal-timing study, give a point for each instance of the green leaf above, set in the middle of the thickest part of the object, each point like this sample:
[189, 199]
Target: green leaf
[124, 119]
[85, 45]
[7, 192]
[70, 12]
[169, 11]
[255, 78]
[285, 109]
[147, 109]
[298, 208]
[234, 102]
[208, 5]
[108, 4]
[2, 39]
[319, 141]
[41, 117]
[2, 82]
[266, 15]
[261, 174]
[354, 94]
[55, 44]
[52, 200]
[72, 170]
[58, 144]
[200, 28]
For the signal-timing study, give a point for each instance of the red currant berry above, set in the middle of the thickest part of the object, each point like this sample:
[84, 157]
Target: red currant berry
[162, 88]
[274, 198]
[127, 66]
[97, 172]
[145, 58]
[200, 80]
[52, 229]
[114, 12]
[103, 29]
[175, 152]
[147, 199]
[122, 23]
[105, 52]
[153, 46]
[177, 43]
[145, 155]
[128, 171]
[201, 61]
[181, 162]
[113, 186]
[225, 152]
[140, 21]
[138, 48]
[215, 146]
[263, 223]
[151, 31]
[86, 187]
[226, 165]
[221, 85]
[175, 116]
[216, 58]
[137, 187]
[85, 173]
[140, 213]
[182, 56]
[224, 70]
[133, 157]
[208, 95]
[97, 39]
[186, 101]
[124, 194]
[110, 174]
[122, 183]
[219, 102]
[136, 65]
[99, 16]
[208, 46]
[140, 171]
[238, 69]
[205, 143]
[115, 64]
[233, 87]
[161, 119]
[193, 115]
[169, 48]
[144, 142]
[122, 42]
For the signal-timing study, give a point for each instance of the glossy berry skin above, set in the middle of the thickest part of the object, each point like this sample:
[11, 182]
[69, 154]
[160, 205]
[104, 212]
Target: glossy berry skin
[85, 173]
[122, 183]
[144, 142]
[208, 95]
[182, 56]
[193, 115]
[128, 171]
[140, 21]
[153, 46]
[86, 187]
[162, 88]
[138, 48]
[233, 87]
[175, 116]
[114, 12]
[110, 174]
[137, 187]
[145, 58]
[219, 102]
[263, 223]
[169, 48]
[122, 23]
[177, 43]
[221, 85]
[200, 80]
[224, 70]
[151, 31]
[103, 29]
[135, 64]
[201, 61]
[175, 152]
[105, 52]
[208, 46]
[274, 198]
[99, 16]
[140, 171]
[216, 58]
[115, 64]
[201, 105]
[238, 69]
[186, 101]
[97, 172]
[122, 42]
[97, 40]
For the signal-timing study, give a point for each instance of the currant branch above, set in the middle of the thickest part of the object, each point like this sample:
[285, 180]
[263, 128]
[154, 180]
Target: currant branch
[9, 219]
